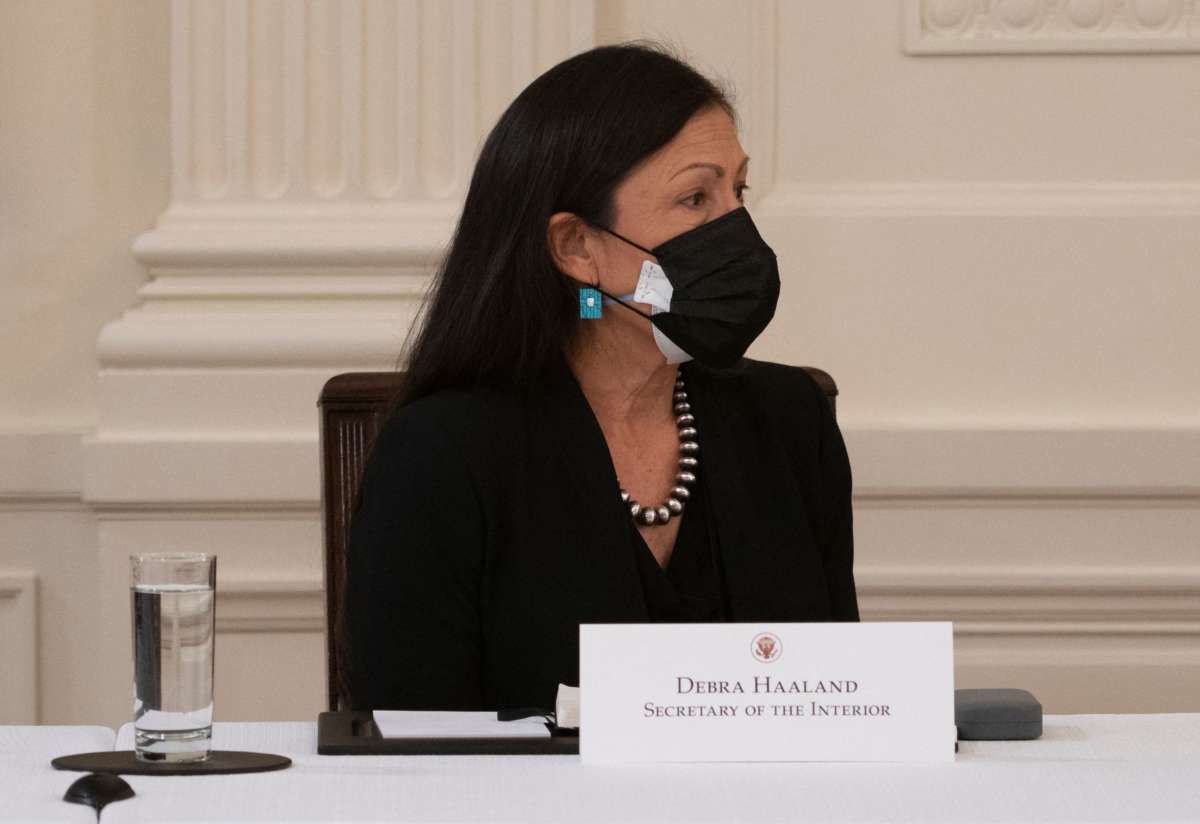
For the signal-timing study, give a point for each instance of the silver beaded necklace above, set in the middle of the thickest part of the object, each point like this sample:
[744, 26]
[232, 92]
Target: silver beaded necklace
[688, 447]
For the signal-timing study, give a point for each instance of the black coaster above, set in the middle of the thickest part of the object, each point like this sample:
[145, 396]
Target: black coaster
[221, 762]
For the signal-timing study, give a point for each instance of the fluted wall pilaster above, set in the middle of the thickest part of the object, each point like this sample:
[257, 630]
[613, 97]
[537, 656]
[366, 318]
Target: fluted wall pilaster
[320, 153]
[360, 101]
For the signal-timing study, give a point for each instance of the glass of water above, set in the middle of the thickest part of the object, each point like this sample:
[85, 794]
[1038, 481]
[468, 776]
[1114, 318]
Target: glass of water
[172, 599]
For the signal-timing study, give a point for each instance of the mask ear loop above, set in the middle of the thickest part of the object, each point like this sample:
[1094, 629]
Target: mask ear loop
[627, 240]
[620, 302]
[614, 298]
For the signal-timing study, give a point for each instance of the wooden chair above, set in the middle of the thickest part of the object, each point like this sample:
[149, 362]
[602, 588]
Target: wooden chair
[352, 407]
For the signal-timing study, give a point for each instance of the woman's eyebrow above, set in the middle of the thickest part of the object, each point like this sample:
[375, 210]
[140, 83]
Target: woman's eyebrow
[720, 170]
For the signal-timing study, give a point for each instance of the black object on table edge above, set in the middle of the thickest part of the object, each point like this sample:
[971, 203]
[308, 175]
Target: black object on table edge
[354, 732]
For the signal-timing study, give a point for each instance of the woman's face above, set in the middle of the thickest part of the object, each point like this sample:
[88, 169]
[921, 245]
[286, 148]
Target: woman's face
[697, 177]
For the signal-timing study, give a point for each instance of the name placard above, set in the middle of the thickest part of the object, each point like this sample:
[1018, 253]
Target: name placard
[870, 691]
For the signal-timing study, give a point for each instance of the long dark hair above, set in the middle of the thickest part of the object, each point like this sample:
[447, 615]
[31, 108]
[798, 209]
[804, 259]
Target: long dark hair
[498, 309]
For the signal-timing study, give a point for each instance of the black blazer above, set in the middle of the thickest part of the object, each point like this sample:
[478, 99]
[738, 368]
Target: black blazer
[489, 526]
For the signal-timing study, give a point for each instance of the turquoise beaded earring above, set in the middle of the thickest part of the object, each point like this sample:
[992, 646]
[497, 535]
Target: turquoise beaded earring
[589, 303]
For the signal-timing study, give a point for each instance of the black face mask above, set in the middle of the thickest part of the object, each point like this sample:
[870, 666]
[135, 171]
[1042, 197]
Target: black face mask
[714, 287]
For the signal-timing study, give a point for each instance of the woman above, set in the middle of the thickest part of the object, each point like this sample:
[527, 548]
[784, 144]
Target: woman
[580, 439]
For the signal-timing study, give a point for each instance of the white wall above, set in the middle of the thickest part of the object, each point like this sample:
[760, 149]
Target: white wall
[990, 242]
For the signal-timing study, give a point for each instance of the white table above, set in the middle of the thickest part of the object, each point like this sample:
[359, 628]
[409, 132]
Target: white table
[32, 790]
[1084, 768]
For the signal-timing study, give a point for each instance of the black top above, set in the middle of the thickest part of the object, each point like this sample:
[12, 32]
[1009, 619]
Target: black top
[688, 589]
[490, 526]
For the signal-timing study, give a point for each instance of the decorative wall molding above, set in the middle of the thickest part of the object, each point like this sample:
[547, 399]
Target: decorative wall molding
[1051, 26]
[1097, 601]
[40, 468]
[983, 198]
[198, 471]
[278, 468]
[937, 464]
[959, 462]
[18, 647]
[1100, 601]
[320, 335]
[270, 604]
[278, 237]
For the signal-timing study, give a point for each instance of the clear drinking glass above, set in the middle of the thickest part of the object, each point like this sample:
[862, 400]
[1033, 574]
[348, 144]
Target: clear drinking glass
[172, 598]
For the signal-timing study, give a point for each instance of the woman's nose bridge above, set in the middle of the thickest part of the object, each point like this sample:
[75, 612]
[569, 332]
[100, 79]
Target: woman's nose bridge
[728, 202]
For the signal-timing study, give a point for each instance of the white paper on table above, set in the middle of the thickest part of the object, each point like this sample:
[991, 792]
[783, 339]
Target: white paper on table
[455, 724]
[566, 707]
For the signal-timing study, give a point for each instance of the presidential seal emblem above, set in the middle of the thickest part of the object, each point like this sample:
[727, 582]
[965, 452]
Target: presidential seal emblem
[766, 647]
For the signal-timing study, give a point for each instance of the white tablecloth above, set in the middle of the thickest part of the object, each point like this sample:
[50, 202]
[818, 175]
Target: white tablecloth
[32, 790]
[1084, 768]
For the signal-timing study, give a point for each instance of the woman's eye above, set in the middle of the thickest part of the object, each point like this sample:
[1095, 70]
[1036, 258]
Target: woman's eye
[697, 199]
